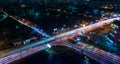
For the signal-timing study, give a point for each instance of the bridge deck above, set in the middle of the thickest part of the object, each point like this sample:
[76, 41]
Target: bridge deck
[17, 54]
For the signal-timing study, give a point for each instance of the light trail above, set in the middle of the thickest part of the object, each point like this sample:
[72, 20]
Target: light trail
[62, 37]
[93, 52]
[40, 31]
[31, 26]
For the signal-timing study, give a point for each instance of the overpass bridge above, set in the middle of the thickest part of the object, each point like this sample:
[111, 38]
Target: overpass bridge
[97, 54]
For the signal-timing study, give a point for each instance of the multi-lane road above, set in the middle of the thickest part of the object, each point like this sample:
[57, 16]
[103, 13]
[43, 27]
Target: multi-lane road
[31, 25]
[19, 53]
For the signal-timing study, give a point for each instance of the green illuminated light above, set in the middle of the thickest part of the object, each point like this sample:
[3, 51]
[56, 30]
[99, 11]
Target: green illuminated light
[49, 50]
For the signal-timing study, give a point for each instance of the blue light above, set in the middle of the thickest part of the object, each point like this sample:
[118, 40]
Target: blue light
[78, 39]
[95, 11]
[96, 42]
[36, 29]
[86, 62]
[55, 29]
[110, 43]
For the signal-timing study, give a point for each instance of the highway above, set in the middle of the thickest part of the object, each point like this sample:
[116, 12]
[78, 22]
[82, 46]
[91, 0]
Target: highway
[92, 52]
[31, 25]
[26, 23]
[19, 53]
